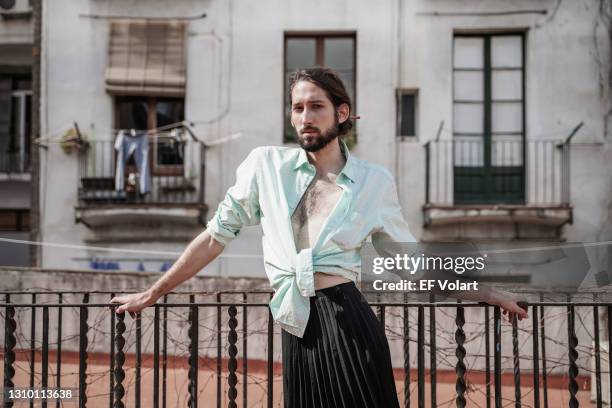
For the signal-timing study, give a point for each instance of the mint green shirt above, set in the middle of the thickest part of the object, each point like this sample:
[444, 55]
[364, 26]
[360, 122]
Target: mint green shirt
[269, 186]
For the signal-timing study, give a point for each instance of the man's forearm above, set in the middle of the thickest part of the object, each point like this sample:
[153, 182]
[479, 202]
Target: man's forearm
[199, 253]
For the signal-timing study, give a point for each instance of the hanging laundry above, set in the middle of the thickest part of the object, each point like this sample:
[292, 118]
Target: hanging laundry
[132, 143]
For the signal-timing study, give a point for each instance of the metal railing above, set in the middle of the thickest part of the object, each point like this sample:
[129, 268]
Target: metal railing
[175, 167]
[15, 162]
[470, 171]
[531, 356]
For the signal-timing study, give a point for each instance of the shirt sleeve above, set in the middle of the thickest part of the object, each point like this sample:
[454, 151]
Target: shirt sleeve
[392, 228]
[240, 207]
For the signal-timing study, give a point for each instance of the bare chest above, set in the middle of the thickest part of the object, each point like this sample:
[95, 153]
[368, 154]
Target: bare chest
[313, 210]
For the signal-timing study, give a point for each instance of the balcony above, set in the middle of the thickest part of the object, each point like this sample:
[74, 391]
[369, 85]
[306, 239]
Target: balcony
[171, 188]
[222, 349]
[15, 166]
[523, 186]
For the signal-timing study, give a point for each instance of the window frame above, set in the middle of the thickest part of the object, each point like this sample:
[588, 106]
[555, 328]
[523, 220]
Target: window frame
[319, 37]
[400, 92]
[488, 196]
[20, 132]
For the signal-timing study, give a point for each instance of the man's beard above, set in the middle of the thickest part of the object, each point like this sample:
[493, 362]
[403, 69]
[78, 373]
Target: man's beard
[316, 143]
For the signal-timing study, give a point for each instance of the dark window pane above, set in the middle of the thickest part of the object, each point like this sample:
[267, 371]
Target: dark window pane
[169, 112]
[27, 130]
[133, 113]
[300, 53]
[407, 112]
[338, 54]
[14, 220]
[8, 221]
[5, 116]
[169, 152]
[16, 113]
[25, 220]
[169, 149]
[23, 84]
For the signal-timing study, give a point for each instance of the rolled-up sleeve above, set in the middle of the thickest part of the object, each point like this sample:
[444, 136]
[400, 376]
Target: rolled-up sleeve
[240, 207]
[391, 224]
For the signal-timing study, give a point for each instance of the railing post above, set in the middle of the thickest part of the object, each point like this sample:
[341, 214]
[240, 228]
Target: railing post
[609, 309]
[218, 351]
[270, 384]
[597, 356]
[193, 354]
[432, 351]
[421, 355]
[138, 359]
[244, 351]
[111, 394]
[119, 360]
[497, 355]
[32, 345]
[460, 369]
[9, 344]
[58, 354]
[83, 328]
[406, 318]
[156, 356]
[516, 362]
[45, 352]
[487, 357]
[573, 357]
[232, 363]
[164, 355]
[536, 358]
[543, 337]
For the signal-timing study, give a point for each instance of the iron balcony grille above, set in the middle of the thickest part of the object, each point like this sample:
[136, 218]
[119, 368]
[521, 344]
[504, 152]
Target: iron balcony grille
[212, 332]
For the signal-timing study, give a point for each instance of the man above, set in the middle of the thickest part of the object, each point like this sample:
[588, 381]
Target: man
[317, 205]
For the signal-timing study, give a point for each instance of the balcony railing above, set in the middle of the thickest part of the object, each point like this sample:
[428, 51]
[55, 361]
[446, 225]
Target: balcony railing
[15, 162]
[221, 349]
[175, 166]
[464, 171]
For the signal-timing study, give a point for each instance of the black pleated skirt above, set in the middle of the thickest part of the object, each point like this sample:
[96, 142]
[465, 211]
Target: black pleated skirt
[343, 360]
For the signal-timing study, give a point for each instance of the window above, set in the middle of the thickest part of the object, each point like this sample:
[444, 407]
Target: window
[14, 224]
[15, 122]
[333, 50]
[406, 113]
[166, 153]
[14, 220]
[488, 118]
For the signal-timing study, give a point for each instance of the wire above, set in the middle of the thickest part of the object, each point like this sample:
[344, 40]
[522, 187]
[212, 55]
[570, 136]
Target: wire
[103, 17]
[113, 249]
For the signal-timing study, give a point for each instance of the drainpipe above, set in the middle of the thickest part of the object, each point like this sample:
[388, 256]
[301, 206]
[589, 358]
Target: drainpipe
[35, 134]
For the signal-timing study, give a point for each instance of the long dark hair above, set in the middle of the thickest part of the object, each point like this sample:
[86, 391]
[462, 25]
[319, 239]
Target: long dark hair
[328, 80]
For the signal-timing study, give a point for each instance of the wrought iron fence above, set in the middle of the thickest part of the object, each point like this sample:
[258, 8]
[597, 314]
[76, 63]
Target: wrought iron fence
[217, 320]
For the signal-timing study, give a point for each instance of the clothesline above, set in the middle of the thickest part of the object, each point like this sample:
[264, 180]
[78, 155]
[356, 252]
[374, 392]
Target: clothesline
[159, 132]
[114, 249]
[56, 137]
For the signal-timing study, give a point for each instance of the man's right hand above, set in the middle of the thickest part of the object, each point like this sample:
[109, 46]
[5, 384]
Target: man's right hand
[134, 303]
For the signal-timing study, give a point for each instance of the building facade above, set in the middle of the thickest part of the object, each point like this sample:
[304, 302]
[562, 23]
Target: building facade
[16, 60]
[494, 117]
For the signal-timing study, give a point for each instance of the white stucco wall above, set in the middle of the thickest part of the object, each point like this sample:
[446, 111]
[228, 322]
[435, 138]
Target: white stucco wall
[235, 75]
